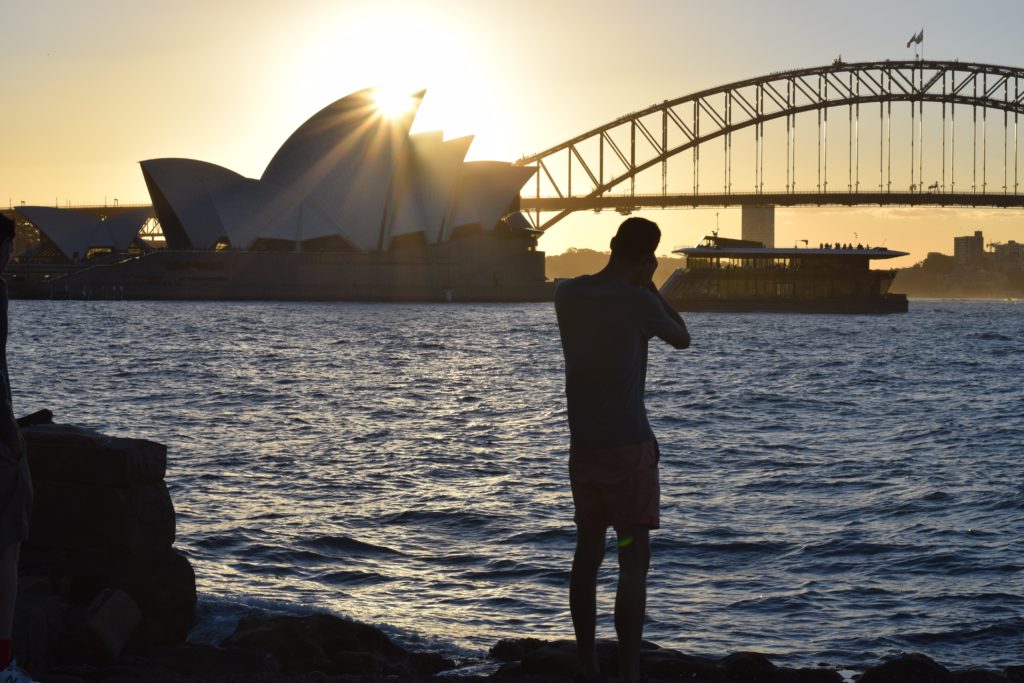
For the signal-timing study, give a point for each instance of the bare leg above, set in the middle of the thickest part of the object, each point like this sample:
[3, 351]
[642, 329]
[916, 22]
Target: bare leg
[631, 599]
[8, 588]
[583, 594]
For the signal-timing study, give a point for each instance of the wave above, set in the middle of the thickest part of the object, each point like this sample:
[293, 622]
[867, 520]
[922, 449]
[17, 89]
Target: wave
[346, 545]
[991, 336]
[351, 577]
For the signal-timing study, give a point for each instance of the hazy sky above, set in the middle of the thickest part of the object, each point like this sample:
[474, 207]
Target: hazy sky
[91, 87]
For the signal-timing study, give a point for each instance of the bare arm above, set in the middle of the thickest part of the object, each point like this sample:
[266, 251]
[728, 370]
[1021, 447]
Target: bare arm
[679, 337]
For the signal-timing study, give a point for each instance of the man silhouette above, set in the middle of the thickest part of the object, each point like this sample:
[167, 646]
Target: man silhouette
[605, 321]
[15, 484]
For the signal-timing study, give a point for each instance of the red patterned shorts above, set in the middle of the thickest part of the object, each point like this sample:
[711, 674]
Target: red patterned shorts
[616, 486]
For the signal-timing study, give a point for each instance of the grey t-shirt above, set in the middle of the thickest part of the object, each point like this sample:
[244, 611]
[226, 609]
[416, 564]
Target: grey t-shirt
[605, 327]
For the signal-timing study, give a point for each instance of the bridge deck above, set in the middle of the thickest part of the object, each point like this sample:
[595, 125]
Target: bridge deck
[639, 201]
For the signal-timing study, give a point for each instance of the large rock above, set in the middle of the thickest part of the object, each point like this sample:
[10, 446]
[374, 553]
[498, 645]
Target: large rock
[76, 455]
[195, 660]
[162, 584]
[558, 659]
[918, 668]
[104, 630]
[976, 675]
[101, 544]
[514, 649]
[138, 520]
[165, 588]
[38, 627]
[672, 664]
[96, 491]
[749, 666]
[331, 645]
[908, 668]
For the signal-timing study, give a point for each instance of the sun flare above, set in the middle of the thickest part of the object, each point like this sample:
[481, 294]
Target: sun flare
[400, 49]
[393, 102]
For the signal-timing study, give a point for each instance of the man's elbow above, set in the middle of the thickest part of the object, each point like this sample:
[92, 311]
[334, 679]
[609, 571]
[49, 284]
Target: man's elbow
[681, 341]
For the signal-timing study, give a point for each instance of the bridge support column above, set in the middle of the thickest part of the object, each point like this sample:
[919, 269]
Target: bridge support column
[758, 224]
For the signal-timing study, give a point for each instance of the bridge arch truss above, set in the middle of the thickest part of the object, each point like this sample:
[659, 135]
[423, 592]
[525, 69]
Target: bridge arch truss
[600, 168]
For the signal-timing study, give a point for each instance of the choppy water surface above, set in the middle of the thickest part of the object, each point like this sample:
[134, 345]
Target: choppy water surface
[836, 488]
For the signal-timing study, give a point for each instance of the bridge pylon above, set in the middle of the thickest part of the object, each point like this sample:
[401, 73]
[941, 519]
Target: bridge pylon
[758, 223]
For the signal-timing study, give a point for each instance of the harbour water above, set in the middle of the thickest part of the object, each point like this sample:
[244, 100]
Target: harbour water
[836, 489]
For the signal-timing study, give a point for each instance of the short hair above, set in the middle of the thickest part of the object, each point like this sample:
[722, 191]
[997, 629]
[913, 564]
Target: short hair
[636, 238]
[7, 230]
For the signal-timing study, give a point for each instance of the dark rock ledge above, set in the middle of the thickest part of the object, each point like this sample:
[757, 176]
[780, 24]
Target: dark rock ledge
[105, 597]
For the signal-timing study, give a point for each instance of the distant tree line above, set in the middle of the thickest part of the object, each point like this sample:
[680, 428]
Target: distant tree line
[938, 276]
[937, 263]
[575, 262]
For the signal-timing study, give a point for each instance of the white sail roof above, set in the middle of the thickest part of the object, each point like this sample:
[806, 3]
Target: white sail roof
[182, 192]
[485, 191]
[427, 191]
[348, 172]
[124, 227]
[344, 158]
[74, 233]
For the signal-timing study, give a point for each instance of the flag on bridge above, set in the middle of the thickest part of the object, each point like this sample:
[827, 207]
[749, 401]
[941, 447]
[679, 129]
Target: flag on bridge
[916, 38]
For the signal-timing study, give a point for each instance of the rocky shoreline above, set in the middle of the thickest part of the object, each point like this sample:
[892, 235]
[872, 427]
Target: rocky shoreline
[104, 596]
[327, 648]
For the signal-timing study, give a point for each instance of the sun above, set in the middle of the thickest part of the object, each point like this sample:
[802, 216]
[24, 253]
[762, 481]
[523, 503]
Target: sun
[400, 48]
[393, 102]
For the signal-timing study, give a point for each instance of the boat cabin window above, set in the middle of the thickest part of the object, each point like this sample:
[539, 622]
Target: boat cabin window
[740, 262]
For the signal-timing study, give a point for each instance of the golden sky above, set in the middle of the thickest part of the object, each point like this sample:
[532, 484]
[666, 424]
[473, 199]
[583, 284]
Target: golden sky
[91, 88]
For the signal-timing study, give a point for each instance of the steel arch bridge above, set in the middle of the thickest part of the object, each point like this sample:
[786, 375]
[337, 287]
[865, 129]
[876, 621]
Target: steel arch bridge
[606, 167]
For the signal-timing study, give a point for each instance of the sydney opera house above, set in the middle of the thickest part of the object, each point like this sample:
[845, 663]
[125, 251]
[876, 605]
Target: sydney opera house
[351, 207]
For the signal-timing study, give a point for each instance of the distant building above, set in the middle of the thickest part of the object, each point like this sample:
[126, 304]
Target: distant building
[969, 251]
[352, 207]
[1008, 256]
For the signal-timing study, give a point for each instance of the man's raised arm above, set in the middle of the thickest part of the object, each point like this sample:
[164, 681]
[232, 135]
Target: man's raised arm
[677, 335]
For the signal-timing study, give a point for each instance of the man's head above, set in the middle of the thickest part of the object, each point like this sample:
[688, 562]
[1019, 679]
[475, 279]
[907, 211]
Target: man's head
[633, 247]
[6, 240]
